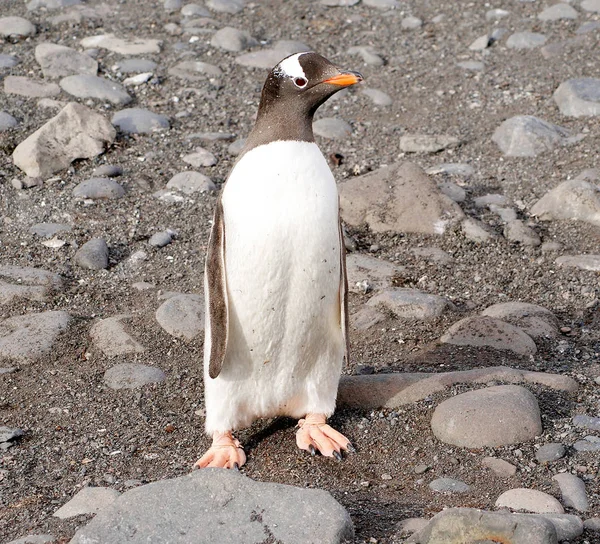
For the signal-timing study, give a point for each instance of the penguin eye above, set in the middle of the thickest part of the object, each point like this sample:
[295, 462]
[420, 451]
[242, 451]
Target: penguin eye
[300, 82]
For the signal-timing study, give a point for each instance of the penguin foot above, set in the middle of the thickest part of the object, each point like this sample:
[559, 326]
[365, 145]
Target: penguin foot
[225, 452]
[314, 434]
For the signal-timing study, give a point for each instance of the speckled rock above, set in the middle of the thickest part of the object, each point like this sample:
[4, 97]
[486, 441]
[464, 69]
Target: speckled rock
[191, 182]
[99, 188]
[182, 316]
[579, 97]
[575, 199]
[90, 500]
[93, 255]
[528, 136]
[529, 500]
[550, 452]
[409, 303]
[58, 61]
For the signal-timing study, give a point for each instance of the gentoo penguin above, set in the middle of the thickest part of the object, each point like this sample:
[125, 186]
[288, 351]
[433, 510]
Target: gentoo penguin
[275, 281]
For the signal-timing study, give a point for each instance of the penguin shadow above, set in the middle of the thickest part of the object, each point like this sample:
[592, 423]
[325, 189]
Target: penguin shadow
[276, 425]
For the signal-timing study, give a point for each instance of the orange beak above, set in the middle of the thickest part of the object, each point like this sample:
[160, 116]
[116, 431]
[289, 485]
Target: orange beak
[344, 79]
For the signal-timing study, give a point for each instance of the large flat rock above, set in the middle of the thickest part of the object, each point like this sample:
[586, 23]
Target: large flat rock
[213, 505]
[27, 282]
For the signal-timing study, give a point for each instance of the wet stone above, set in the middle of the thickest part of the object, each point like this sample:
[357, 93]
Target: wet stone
[132, 376]
[549, 453]
[139, 121]
[99, 188]
[93, 255]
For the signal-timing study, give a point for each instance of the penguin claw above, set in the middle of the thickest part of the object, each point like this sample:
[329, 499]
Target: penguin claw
[225, 452]
[337, 455]
[314, 434]
[350, 448]
[312, 450]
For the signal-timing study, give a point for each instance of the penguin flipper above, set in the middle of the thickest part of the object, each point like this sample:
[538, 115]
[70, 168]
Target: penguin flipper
[217, 306]
[344, 294]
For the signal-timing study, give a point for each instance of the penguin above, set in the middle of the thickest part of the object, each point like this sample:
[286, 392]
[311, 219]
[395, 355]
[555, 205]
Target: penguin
[275, 280]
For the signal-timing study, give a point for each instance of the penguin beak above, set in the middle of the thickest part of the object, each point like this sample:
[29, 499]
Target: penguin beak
[345, 79]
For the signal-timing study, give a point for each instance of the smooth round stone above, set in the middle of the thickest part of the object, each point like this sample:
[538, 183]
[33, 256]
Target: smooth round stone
[472, 65]
[200, 157]
[382, 4]
[408, 303]
[130, 46]
[331, 128]
[579, 97]
[496, 14]
[173, 5]
[7, 121]
[449, 485]
[99, 188]
[107, 171]
[368, 54]
[583, 262]
[225, 6]
[591, 5]
[592, 525]
[550, 452]
[528, 136]
[517, 231]
[25, 86]
[88, 86]
[8, 61]
[338, 3]
[135, 66]
[160, 239]
[453, 191]
[93, 255]
[195, 70]
[47, 230]
[459, 169]
[535, 320]
[194, 10]
[139, 121]
[232, 39]
[235, 148]
[379, 98]
[525, 40]
[182, 316]
[488, 417]
[58, 61]
[587, 422]
[16, 26]
[191, 182]
[557, 12]
[589, 26]
[529, 500]
[573, 491]
[411, 23]
[132, 376]
[480, 43]
[500, 467]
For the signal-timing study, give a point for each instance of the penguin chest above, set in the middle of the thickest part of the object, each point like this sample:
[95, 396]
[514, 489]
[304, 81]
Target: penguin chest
[282, 258]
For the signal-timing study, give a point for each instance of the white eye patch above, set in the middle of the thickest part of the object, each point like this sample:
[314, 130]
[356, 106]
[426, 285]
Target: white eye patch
[291, 67]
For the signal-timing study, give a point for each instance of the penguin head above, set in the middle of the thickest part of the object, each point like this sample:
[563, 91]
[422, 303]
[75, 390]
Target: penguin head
[304, 81]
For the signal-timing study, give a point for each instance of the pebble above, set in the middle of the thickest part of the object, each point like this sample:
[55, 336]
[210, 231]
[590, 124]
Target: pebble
[7, 121]
[517, 231]
[172, 5]
[473, 65]
[225, 6]
[139, 121]
[587, 422]
[8, 436]
[57, 61]
[332, 128]
[423, 143]
[111, 338]
[491, 199]
[496, 14]
[378, 273]
[135, 66]
[232, 39]
[382, 4]
[195, 70]
[211, 136]
[566, 526]
[99, 188]
[89, 500]
[453, 191]
[25, 86]
[366, 318]
[578, 97]
[27, 283]
[267, 58]
[47, 230]
[87, 86]
[200, 157]
[191, 182]
[529, 500]
[368, 53]
[33, 5]
[550, 247]
[379, 98]
[182, 316]
[132, 46]
[132, 376]
[589, 443]
[76, 132]
[528, 136]
[421, 469]
[558, 12]
[583, 262]
[575, 199]
[34, 539]
[573, 491]
[506, 214]
[549, 453]
[411, 23]
[93, 255]
[488, 417]
[434, 254]
[588, 26]
[408, 303]
[107, 171]
[138, 79]
[525, 40]
[16, 27]
[591, 5]
[160, 239]
[236, 147]
[462, 170]
[536, 321]
[449, 485]
[592, 525]
[500, 467]
[481, 43]
[8, 61]
[194, 10]
[476, 231]
[25, 338]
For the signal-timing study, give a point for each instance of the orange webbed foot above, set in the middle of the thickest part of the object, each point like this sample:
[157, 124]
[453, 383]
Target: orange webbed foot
[315, 435]
[225, 452]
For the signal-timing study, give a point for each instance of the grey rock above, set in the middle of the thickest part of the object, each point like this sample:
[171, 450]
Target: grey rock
[368, 53]
[488, 417]
[491, 200]
[379, 98]
[592, 525]
[182, 316]
[8, 434]
[591, 5]
[99, 188]
[589, 443]
[462, 525]
[377, 272]
[411, 23]
[191, 182]
[400, 198]
[195, 70]
[232, 39]
[25, 86]
[236, 147]
[496, 14]
[528, 136]
[200, 157]
[557, 12]
[139, 121]
[75, 133]
[138, 79]
[16, 27]
[194, 10]
[473, 65]
[267, 58]
[132, 376]
[27, 283]
[172, 5]
[58, 61]
[366, 318]
[339, 3]
[500, 467]
[160, 239]
[111, 338]
[536, 321]
[107, 171]
[132, 46]
[88, 86]
[434, 254]
[482, 331]
[225, 6]
[578, 97]
[26, 338]
[193, 508]
[47, 230]
[567, 526]
[480, 43]
[461, 170]
[506, 214]
[573, 491]
[93, 255]
[525, 40]
[7, 121]
[453, 191]
[50, 4]
[587, 422]
[529, 500]
[423, 143]
[90, 500]
[574, 199]
[550, 247]
[583, 262]
[449, 485]
[517, 231]
[476, 231]
[34, 539]
[135, 66]
[8, 61]
[410, 303]
[332, 128]
[382, 4]
[549, 453]
[588, 26]
[211, 136]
